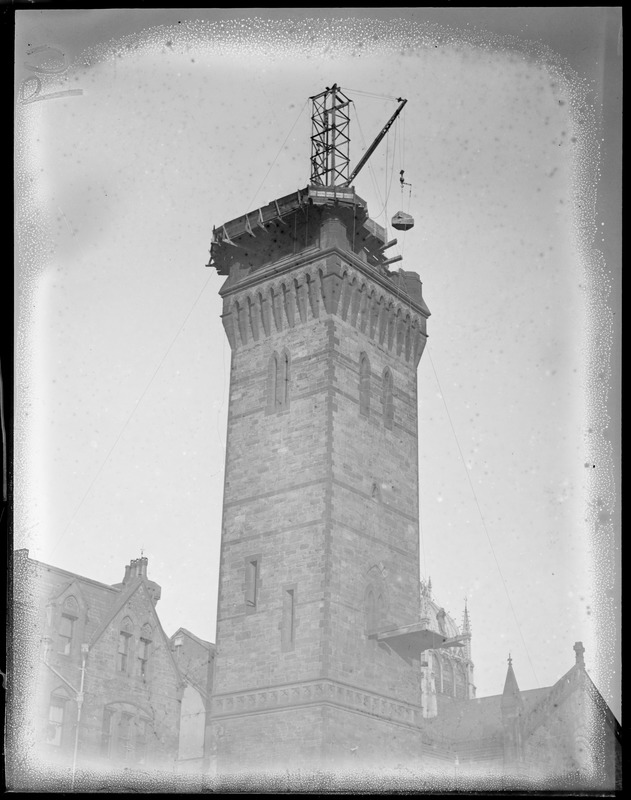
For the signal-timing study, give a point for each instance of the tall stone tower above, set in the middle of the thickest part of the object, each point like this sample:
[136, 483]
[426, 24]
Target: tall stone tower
[319, 573]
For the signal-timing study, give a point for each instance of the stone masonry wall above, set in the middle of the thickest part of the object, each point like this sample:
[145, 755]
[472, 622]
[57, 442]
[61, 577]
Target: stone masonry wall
[320, 506]
[374, 516]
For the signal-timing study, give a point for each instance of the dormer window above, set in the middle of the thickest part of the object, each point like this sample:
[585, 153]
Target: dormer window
[67, 624]
[66, 631]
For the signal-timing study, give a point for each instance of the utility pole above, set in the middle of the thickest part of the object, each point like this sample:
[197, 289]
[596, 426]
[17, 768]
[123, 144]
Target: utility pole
[84, 655]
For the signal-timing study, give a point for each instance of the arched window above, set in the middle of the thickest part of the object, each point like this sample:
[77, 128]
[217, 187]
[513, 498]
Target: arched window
[448, 678]
[125, 733]
[461, 683]
[67, 625]
[380, 605]
[124, 644]
[364, 385]
[437, 667]
[278, 381]
[371, 611]
[387, 399]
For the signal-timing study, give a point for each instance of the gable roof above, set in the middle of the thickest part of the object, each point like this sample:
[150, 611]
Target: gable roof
[479, 718]
[575, 679]
[186, 632]
[118, 606]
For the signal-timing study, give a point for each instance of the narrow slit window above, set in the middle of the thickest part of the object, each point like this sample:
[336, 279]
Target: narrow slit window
[251, 581]
[124, 640]
[289, 619]
[388, 399]
[364, 385]
[144, 651]
[371, 612]
[278, 381]
[285, 383]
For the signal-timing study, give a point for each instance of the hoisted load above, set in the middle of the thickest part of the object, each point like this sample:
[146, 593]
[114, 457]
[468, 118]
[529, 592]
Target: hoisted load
[402, 221]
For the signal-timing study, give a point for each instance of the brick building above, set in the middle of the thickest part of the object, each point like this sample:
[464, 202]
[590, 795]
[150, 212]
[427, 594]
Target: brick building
[100, 684]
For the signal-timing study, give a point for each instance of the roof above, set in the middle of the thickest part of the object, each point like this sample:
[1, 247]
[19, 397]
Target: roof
[186, 632]
[479, 718]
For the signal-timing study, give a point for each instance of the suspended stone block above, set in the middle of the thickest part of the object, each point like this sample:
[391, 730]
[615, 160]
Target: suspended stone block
[402, 221]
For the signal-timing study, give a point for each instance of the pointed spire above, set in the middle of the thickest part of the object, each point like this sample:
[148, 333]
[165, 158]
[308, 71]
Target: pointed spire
[429, 587]
[511, 696]
[466, 631]
[466, 623]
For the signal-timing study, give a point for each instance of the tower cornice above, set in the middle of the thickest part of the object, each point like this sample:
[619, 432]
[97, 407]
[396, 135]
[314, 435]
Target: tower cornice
[304, 259]
[328, 282]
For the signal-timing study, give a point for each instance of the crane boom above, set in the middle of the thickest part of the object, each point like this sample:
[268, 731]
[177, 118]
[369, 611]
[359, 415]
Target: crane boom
[374, 145]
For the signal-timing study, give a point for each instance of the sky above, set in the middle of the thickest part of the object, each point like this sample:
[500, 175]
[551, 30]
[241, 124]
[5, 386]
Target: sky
[138, 130]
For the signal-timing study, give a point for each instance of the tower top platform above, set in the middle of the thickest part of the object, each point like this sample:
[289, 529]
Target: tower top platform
[302, 224]
[269, 219]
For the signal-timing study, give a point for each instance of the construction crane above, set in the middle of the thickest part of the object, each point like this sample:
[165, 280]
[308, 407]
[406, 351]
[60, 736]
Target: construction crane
[239, 240]
[375, 144]
[330, 144]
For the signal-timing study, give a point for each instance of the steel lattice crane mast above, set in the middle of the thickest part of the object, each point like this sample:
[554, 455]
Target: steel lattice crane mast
[330, 138]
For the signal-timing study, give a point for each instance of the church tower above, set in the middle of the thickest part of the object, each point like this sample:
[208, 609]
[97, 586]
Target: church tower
[319, 572]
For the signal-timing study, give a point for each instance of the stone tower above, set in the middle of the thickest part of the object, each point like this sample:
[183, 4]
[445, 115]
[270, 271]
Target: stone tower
[319, 572]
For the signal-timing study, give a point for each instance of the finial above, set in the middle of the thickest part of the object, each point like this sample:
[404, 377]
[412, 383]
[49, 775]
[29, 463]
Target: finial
[510, 660]
[579, 650]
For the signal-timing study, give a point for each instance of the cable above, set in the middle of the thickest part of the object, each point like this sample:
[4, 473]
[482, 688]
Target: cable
[497, 564]
[369, 165]
[384, 207]
[129, 418]
[373, 94]
[249, 207]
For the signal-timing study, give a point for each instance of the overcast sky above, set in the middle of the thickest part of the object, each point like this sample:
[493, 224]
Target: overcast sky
[160, 124]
